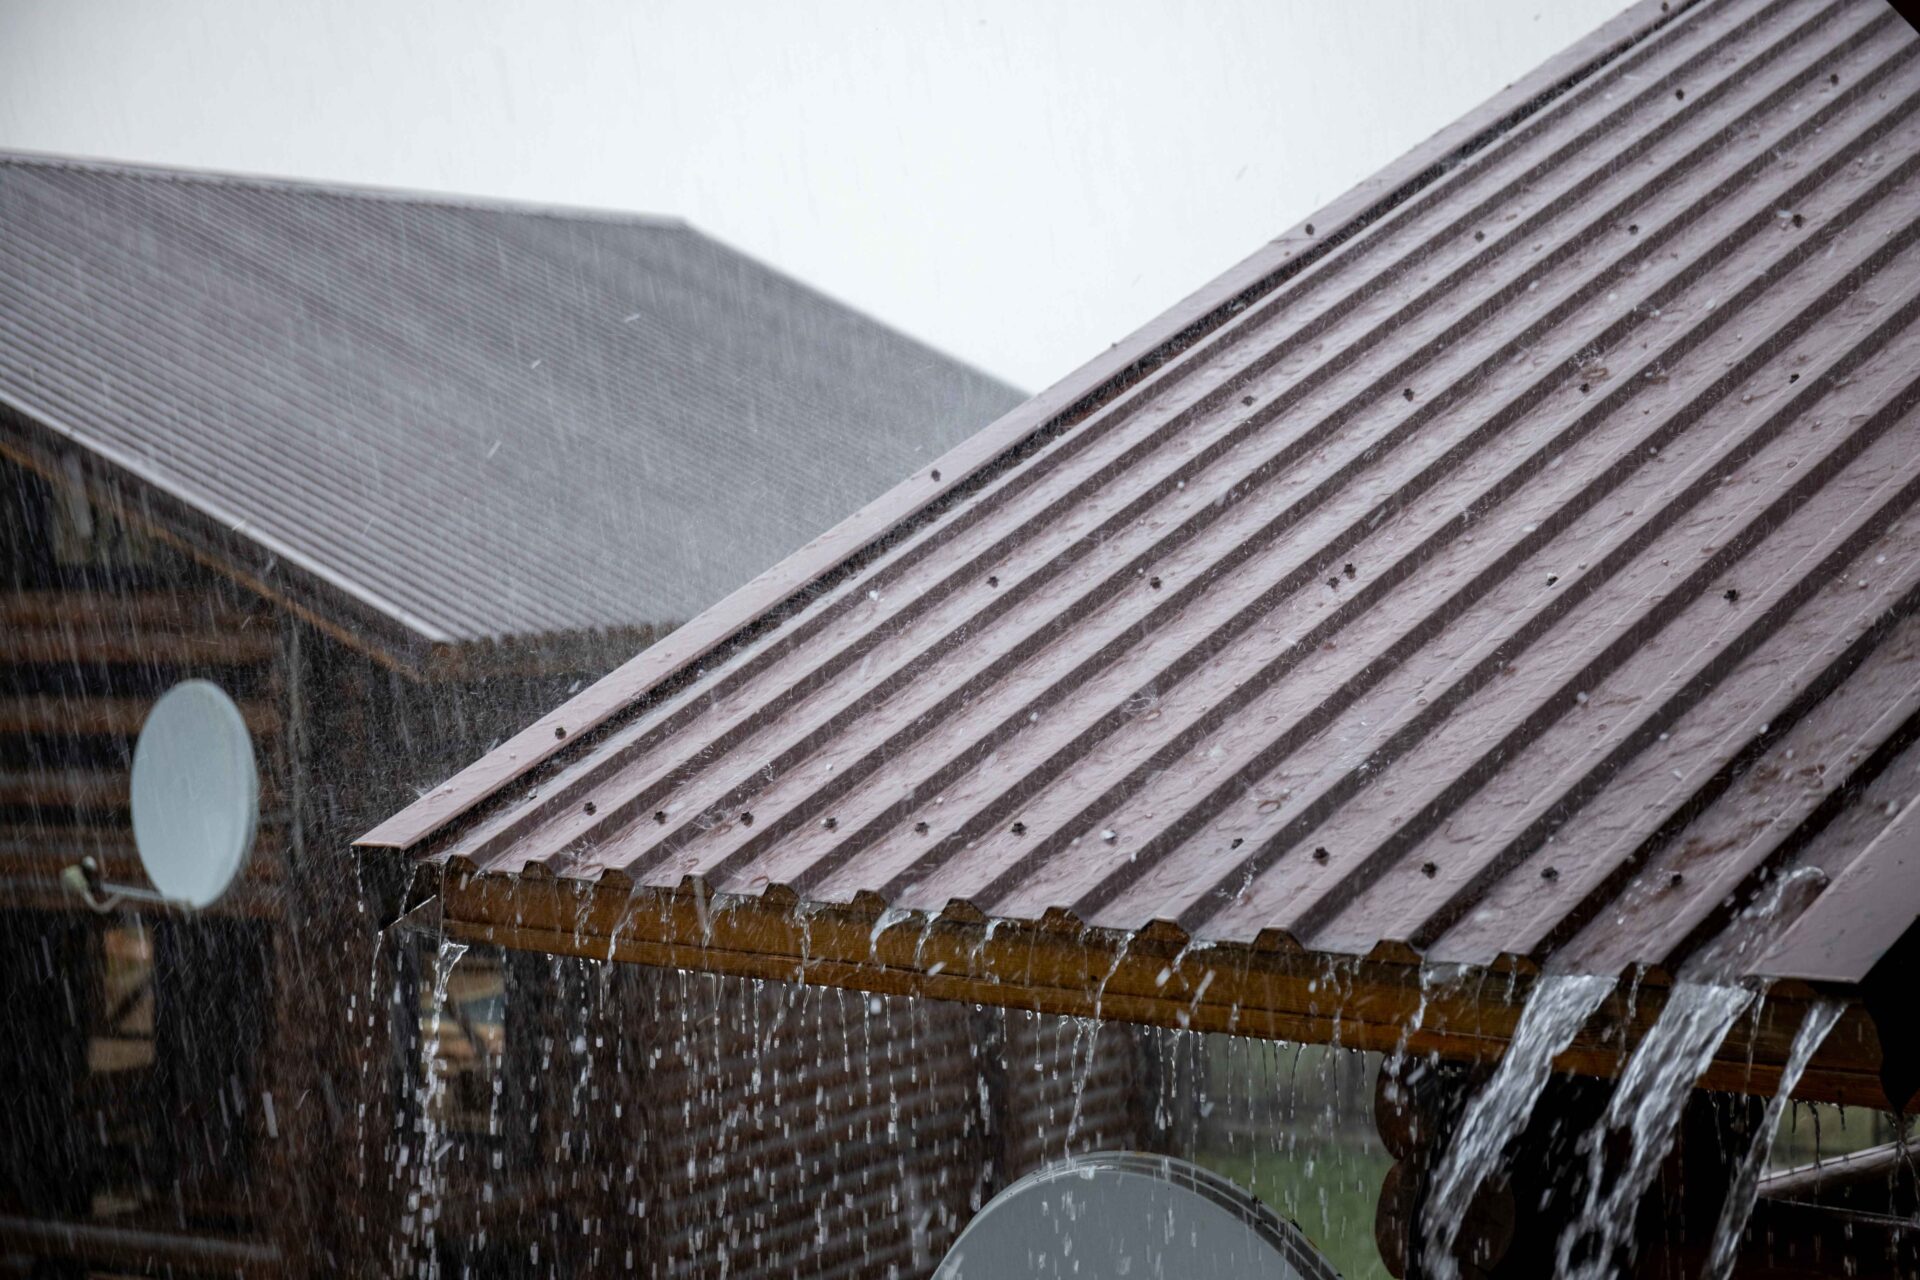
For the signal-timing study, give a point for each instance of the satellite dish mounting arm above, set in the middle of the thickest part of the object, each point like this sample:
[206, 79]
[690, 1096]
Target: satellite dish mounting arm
[84, 881]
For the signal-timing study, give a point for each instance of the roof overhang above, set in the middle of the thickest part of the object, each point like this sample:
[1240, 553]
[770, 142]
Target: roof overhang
[234, 552]
[1386, 1002]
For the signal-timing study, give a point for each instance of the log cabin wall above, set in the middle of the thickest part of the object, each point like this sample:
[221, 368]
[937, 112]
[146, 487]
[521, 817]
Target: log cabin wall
[149, 1109]
[234, 1077]
[690, 1124]
[373, 735]
[216, 1077]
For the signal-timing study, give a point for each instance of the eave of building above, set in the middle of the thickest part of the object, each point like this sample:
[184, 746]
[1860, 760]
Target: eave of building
[405, 645]
[1385, 1002]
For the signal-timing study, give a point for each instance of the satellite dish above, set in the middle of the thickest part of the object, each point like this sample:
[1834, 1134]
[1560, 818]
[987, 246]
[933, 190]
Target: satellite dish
[1125, 1214]
[196, 793]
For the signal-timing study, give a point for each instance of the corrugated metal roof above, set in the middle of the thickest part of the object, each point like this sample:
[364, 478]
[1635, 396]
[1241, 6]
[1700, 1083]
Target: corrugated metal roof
[480, 420]
[1521, 564]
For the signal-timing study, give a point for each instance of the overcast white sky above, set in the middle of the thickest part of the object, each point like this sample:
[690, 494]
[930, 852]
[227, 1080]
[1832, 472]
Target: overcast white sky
[1020, 183]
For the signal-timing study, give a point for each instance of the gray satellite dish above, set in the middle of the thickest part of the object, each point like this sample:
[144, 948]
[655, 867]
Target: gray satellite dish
[196, 793]
[1123, 1214]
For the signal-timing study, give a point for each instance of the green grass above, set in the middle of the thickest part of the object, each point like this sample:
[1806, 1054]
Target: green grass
[1808, 1132]
[1330, 1195]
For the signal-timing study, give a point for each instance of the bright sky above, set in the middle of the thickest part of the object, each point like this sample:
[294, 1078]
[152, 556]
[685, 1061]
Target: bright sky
[1020, 183]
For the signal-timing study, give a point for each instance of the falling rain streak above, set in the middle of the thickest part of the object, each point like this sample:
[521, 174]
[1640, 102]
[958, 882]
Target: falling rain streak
[755, 1124]
[1505, 581]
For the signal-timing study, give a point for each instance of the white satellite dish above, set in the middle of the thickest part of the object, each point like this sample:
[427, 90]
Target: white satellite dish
[1121, 1214]
[196, 793]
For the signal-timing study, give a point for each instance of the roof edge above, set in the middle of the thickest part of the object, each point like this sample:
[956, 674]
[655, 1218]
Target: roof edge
[359, 623]
[1161, 976]
[338, 190]
[784, 588]
[1859, 918]
[29, 439]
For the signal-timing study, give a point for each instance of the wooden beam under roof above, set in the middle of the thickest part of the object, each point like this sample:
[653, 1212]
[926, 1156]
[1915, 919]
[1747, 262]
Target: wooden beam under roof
[1275, 990]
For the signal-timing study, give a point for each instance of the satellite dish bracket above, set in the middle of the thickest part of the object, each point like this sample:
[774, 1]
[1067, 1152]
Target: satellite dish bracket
[84, 881]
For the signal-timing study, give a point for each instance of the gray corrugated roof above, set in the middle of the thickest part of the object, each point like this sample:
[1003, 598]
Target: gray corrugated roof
[1527, 568]
[481, 420]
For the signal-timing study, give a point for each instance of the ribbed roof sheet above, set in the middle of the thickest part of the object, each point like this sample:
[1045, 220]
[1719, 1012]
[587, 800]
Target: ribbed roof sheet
[480, 420]
[1523, 560]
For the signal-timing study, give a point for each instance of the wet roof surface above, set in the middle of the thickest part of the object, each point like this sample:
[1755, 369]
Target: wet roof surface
[1526, 563]
[481, 420]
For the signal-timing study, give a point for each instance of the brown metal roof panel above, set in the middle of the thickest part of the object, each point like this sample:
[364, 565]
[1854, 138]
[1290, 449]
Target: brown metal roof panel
[1185, 774]
[1592, 61]
[1387, 608]
[1688, 821]
[1530, 591]
[1867, 909]
[1673, 711]
[1049, 563]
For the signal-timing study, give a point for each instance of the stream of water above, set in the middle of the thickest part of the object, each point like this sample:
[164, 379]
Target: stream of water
[1745, 1190]
[1625, 1149]
[430, 1187]
[1559, 1006]
[1645, 1111]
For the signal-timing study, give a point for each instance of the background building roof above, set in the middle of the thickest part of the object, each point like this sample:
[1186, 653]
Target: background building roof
[478, 420]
